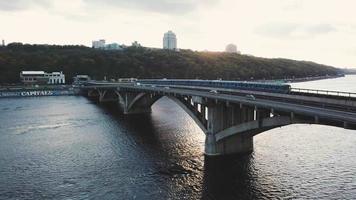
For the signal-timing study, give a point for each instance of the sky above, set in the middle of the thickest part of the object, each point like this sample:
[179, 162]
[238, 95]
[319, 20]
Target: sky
[323, 31]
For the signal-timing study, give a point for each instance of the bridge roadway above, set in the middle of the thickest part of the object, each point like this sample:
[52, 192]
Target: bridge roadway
[230, 118]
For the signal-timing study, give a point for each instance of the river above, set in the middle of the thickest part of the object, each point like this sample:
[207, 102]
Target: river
[71, 148]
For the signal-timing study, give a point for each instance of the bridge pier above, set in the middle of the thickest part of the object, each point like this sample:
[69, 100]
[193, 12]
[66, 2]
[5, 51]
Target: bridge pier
[93, 94]
[237, 144]
[102, 95]
[222, 116]
[136, 103]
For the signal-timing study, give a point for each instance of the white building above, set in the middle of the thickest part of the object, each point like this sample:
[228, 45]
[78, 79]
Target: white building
[98, 44]
[170, 41]
[41, 77]
[56, 78]
[33, 77]
[101, 44]
[231, 48]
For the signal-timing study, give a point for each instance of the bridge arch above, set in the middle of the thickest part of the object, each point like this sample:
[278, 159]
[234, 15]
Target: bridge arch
[147, 100]
[191, 113]
[142, 98]
[93, 93]
[256, 127]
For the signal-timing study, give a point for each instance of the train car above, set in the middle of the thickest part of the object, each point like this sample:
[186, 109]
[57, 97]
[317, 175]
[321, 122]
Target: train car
[241, 85]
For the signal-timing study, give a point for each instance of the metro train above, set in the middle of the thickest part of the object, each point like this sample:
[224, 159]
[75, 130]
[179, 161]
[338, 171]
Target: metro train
[241, 85]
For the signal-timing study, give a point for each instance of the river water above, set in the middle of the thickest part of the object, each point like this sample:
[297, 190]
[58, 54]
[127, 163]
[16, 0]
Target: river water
[72, 148]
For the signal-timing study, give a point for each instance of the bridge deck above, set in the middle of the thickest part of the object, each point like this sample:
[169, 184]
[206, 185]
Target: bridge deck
[324, 106]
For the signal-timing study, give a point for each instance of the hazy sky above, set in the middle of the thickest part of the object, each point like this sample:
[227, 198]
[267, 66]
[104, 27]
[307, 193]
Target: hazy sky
[323, 31]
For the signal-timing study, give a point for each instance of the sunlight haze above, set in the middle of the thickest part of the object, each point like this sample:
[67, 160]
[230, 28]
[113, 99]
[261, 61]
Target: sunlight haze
[322, 31]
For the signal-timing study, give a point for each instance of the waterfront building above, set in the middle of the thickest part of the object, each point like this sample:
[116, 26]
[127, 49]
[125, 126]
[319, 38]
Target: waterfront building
[41, 77]
[80, 79]
[99, 44]
[170, 41]
[232, 48]
[33, 77]
[55, 78]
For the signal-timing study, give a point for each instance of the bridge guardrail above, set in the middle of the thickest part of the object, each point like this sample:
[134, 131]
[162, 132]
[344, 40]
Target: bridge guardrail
[325, 92]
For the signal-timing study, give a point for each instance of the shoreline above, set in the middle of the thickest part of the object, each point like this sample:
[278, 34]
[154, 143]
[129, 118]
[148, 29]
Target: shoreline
[70, 90]
[304, 79]
[315, 78]
[26, 91]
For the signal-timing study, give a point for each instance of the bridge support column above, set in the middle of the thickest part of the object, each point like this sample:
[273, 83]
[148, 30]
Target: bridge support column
[220, 117]
[102, 95]
[262, 113]
[237, 144]
[136, 102]
[138, 110]
[93, 95]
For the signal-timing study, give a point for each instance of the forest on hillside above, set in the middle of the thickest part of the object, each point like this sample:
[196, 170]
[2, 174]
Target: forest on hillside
[140, 62]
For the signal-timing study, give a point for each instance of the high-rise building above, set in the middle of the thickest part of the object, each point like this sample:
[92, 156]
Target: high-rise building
[99, 44]
[3, 43]
[170, 41]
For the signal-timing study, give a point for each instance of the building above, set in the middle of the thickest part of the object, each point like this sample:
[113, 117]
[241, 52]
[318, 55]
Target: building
[113, 46]
[170, 41]
[41, 77]
[33, 77]
[80, 79]
[3, 43]
[56, 78]
[136, 44]
[231, 48]
[99, 44]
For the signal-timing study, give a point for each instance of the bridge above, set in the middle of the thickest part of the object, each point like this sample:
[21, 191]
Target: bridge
[230, 118]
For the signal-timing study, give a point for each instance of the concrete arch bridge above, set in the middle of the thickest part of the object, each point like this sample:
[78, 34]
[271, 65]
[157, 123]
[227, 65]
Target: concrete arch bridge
[228, 117]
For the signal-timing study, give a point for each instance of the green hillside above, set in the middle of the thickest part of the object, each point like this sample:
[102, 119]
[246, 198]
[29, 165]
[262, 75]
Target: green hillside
[149, 63]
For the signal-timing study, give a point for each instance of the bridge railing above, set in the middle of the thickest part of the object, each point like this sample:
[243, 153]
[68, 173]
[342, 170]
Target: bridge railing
[325, 92]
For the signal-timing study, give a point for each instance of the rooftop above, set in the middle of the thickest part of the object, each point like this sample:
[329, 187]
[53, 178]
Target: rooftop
[32, 72]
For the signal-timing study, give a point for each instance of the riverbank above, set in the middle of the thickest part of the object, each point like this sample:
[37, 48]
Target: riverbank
[314, 78]
[34, 91]
[69, 90]
[304, 79]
